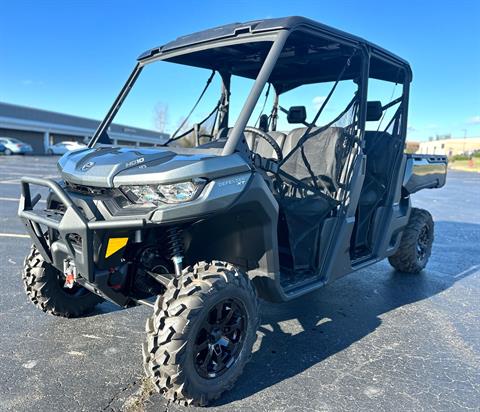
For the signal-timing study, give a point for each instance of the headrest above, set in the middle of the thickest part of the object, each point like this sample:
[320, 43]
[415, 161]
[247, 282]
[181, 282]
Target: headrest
[263, 124]
[374, 111]
[297, 114]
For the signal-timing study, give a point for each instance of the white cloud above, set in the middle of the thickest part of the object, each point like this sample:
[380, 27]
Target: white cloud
[474, 120]
[318, 101]
[411, 129]
[30, 82]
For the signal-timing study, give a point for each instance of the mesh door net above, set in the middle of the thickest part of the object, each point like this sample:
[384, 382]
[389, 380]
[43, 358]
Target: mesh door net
[312, 176]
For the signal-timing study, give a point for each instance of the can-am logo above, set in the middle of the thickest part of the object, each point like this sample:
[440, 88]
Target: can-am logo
[87, 166]
[135, 162]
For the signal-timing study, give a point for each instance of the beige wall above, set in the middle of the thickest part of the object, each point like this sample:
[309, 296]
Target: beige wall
[411, 146]
[450, 147]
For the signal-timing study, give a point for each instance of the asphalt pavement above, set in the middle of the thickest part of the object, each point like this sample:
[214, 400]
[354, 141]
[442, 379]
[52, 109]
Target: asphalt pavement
[373, 340]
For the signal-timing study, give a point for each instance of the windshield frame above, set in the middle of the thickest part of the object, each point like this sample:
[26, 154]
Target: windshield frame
[277, 39]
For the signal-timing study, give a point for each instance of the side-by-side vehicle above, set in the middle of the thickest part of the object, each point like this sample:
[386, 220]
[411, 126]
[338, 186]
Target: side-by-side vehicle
[294, 177]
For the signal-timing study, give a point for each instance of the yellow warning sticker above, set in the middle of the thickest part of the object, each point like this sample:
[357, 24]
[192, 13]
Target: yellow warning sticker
[115, 244]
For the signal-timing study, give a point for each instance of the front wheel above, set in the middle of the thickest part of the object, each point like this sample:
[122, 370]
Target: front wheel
[43, 285]
[201, 333]
[8, 152]
[416, 244]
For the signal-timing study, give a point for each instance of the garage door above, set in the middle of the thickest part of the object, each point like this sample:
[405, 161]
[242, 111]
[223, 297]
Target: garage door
[35, 139]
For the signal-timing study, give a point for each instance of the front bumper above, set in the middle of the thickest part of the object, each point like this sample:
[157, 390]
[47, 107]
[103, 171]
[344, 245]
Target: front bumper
[75, 235]
[80, 226]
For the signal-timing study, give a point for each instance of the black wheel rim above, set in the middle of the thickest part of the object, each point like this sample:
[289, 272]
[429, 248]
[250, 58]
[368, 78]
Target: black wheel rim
[423, 243]
[219, 341]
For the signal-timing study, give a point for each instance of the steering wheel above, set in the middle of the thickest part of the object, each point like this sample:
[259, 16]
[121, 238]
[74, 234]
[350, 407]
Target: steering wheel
[271, 141]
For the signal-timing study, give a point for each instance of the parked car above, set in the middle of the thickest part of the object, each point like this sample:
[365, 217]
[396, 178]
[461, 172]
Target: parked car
[61, 148]
[15, 146]
[2, 148]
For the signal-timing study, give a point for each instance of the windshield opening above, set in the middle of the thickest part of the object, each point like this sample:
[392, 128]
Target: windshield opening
[186, 104]
[211, 93]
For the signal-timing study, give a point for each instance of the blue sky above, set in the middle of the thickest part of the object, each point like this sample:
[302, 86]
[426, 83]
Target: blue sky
[73, 56]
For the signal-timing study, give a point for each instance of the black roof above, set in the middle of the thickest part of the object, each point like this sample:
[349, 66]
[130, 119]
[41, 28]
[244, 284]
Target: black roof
[258, 27]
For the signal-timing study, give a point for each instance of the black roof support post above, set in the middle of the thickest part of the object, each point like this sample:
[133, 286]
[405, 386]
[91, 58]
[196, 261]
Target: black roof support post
[257, 88]
[103, 127]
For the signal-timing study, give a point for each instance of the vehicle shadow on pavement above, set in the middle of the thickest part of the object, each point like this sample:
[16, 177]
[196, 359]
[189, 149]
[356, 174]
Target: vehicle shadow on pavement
[104, 308]
[328, 321]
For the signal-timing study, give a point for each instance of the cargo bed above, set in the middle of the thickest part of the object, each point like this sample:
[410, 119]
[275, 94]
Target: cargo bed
[424, 172]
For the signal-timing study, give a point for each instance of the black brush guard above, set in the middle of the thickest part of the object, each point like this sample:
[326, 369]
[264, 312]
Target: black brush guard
[71, 223]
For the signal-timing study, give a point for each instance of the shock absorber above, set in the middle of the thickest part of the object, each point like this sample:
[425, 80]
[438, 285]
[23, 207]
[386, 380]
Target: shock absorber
[175, 244]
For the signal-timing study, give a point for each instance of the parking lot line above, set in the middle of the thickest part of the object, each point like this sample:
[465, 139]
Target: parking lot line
[14, 199]
[470, 271]
[13, 235]
[10, 182]
[17, 181]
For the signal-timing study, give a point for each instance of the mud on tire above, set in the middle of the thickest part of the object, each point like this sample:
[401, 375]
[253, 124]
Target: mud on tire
[178, 329]
[43, 286]
[416, 244]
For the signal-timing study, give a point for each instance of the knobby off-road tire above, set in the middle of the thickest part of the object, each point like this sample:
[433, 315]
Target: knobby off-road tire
[416, 244]
[43, 286]
[179, 325]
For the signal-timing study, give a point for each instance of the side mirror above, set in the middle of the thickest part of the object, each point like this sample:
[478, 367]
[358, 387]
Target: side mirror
[297, 114]
[374, 111]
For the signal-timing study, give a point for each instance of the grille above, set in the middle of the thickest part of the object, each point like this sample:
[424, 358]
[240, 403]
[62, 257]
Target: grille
[87, 190]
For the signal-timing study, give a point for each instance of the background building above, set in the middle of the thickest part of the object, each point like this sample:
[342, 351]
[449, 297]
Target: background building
[450, 147]
[411, 146]
[40, 128]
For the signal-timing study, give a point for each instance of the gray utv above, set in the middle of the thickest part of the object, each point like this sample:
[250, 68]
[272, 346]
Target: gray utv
[200, 225]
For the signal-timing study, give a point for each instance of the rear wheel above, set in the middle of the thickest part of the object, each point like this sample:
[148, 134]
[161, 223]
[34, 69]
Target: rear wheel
[201, 333]
[416, 244]
[43, 285]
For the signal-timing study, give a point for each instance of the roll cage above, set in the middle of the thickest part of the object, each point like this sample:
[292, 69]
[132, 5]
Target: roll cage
[287, 53]
[270, 51]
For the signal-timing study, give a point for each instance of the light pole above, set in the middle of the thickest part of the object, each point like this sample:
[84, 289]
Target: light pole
[464, 139]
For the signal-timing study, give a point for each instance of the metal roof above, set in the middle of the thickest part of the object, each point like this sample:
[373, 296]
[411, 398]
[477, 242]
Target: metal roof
[257, 27]
[39, 116]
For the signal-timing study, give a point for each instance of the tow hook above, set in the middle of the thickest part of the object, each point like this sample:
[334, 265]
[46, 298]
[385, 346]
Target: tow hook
[70, 273]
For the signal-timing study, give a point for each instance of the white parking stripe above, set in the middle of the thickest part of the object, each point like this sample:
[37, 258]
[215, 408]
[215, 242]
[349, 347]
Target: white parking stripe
[9, 182]
[12, 174]
[26, 169]
[13, 235]
[17, 181]
[471, 270]
[13, 199]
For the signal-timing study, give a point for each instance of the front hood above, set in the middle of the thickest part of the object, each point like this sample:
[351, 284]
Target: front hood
[116, 166]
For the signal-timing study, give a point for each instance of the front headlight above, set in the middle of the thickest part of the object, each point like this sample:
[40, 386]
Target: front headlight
[171, 193]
